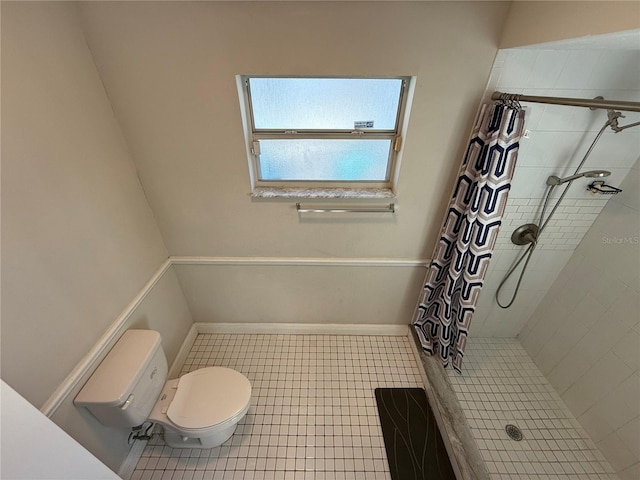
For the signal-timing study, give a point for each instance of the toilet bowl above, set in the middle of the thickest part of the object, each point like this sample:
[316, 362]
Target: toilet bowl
[202, 409]
[198, 410]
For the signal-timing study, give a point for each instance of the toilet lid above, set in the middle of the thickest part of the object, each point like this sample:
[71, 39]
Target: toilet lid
[209, 396]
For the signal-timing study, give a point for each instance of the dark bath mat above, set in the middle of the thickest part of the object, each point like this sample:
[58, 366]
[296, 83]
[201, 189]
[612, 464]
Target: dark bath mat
[411, 437]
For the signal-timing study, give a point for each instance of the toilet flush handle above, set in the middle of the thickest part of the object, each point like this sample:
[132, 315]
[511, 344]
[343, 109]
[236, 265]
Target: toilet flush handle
[127, 402]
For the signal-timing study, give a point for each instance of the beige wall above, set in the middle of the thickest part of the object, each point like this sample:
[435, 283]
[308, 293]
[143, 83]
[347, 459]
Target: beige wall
[169, 69]
[529, 23]
[301, 294]
[164, 309]
[78, 237]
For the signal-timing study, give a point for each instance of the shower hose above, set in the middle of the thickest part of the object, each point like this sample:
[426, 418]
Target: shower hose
[542, 223]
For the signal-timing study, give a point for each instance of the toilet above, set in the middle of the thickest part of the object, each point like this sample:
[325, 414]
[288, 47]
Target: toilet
[198, 410]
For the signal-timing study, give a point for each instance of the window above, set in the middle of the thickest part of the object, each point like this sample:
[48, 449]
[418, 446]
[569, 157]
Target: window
[323, 132]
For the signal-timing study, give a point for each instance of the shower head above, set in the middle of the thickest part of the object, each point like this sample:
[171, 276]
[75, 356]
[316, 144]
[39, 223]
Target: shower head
[553, 180]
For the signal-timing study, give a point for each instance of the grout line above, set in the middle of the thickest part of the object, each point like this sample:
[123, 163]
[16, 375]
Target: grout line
[313, 411]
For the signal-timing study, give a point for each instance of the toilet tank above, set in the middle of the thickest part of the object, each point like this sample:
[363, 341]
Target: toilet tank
[125, 386]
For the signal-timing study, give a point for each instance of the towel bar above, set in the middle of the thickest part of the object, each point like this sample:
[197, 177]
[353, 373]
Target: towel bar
[386, 209]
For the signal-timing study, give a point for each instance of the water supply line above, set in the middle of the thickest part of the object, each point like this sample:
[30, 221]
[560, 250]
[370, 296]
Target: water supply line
[529, 234]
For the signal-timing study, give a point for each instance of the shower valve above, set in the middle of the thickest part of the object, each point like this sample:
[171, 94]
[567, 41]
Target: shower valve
[525, 234]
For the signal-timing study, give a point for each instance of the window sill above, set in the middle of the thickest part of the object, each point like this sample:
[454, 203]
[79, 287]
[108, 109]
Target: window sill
[299, 192]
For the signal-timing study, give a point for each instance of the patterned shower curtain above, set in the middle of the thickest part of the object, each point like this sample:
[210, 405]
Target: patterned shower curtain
[461, 257]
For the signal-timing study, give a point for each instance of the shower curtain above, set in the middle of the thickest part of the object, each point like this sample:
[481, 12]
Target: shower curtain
[461, 257]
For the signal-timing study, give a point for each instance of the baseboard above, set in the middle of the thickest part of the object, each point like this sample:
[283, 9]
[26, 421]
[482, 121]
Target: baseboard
[302, 328]
[129, 465]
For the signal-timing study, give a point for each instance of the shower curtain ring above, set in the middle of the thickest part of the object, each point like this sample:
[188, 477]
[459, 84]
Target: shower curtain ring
[510, 100]
[517, 100]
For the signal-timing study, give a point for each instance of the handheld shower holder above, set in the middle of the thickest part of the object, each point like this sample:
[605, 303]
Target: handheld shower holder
[602, 188]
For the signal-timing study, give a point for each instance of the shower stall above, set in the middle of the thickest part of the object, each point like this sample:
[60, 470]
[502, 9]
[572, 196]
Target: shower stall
[562, 363]
[529, 233]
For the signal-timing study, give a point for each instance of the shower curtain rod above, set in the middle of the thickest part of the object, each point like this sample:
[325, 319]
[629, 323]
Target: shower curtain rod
[574, 102]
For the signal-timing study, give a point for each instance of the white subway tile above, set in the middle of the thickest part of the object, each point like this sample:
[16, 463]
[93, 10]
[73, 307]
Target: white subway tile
[581, 223]
[517, 201]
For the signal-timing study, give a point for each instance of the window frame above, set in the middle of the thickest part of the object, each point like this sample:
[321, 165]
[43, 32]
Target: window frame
[253, 137]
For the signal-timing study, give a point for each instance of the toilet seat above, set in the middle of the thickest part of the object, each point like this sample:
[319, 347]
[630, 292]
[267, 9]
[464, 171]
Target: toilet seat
[209, 397]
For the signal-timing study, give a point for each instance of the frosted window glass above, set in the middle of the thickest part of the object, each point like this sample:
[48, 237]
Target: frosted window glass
[324, 160]
[324, 103]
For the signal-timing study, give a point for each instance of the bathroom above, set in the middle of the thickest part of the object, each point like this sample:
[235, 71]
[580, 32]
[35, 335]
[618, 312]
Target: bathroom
[132, 120]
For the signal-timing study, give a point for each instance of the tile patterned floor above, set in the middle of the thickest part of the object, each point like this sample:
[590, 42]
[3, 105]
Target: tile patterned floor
[500, 384]
[313, 413]
[314, 416]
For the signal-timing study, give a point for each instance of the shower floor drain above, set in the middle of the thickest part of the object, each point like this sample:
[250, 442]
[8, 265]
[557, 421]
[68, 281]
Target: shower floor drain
[514, 432]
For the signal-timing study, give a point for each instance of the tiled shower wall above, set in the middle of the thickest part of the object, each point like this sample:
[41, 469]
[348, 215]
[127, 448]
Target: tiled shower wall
[558, 138]
[585, 334]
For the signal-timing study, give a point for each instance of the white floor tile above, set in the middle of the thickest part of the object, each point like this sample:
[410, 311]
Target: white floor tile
[314, 416]
[313, 412]
[553, 446]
